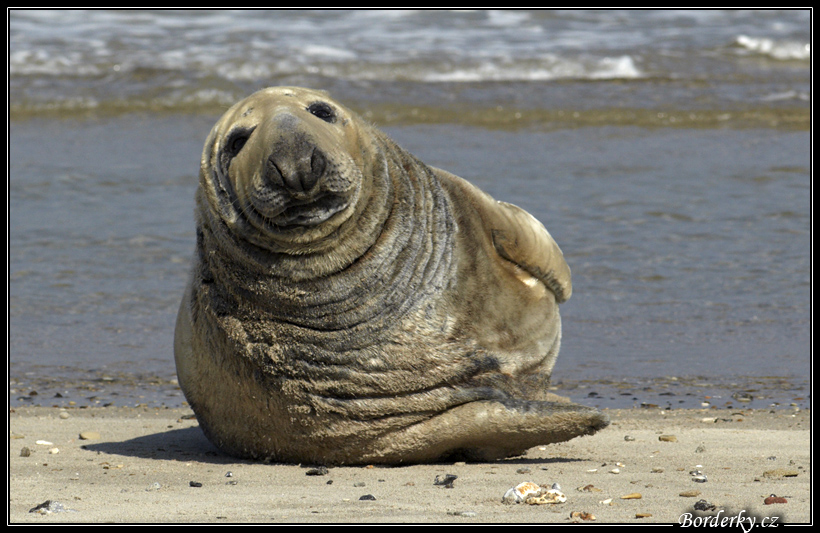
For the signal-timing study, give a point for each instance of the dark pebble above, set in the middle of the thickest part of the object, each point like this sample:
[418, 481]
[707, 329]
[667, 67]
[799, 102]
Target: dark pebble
[703, 505]
[319, 471]
[43, 505]
[194, 484]
[447, 481]
[368, 497]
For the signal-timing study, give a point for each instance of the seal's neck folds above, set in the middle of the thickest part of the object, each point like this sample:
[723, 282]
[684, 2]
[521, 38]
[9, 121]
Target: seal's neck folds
[397, 249]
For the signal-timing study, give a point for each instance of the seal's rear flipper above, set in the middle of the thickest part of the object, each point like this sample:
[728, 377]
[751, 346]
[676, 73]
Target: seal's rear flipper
[490, 430]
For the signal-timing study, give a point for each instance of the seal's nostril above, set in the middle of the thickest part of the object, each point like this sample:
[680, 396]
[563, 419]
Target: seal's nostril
[273, 174]
[317, 168]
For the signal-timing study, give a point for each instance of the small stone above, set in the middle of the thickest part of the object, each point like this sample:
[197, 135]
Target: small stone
[743, 396]
[615, 471]
[153, 486]
[700, 449]
[629, 438]
[703, 505]
[89, 435]
[318, 471]
[54, 451]
[446, 481]
[581, 515]
[657, 470]
[689, 493]
[194, 484]
[44, 443]
[63, 415]
[523, 471]
[25, 452]
[643, 515]
[632, 496]
[367, 497]
[359, 484]
[589, 488]
[668, 438]
[228, 474]
[780, 472]
[48, 507]
[774, 499]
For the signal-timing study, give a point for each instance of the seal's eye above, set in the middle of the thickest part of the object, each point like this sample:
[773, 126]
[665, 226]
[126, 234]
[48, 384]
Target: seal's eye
[323, 111]
[236, 141]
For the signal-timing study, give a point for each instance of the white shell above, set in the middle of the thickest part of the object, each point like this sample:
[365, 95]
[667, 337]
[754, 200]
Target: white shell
[534, 494]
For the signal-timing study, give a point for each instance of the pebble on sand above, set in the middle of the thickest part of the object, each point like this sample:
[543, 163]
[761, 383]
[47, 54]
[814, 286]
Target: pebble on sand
[89, 435]
[780, 472]
[48, 507]
[318, 471]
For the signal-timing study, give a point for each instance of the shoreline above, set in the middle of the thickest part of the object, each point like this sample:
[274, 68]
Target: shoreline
[139, 466]
[67, 388]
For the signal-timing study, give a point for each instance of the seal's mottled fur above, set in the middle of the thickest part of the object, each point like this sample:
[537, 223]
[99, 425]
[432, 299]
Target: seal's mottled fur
[349, 304]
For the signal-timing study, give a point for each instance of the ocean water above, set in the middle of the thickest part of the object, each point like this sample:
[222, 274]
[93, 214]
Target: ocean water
[668, 152]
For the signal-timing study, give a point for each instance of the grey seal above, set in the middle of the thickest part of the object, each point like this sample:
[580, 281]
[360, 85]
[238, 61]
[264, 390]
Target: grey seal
[349, 304]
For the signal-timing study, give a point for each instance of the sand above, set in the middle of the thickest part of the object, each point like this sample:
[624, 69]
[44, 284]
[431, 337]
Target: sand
[140, 466]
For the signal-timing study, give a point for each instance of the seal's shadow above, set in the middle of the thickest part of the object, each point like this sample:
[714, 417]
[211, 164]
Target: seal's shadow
[184, 444]
[190, 444]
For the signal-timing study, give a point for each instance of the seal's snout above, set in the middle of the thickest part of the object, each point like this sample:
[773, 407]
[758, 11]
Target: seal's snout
[295, 169]
[296, 163]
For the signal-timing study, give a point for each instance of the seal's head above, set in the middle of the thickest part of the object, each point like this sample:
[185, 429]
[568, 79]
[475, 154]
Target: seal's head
[284, 168]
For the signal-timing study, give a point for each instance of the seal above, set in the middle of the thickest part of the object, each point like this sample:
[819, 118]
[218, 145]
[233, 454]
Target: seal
[349, 304]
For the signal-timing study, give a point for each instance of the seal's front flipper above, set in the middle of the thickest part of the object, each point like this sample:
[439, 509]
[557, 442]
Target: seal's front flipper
[517, 236]
[489, 430]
